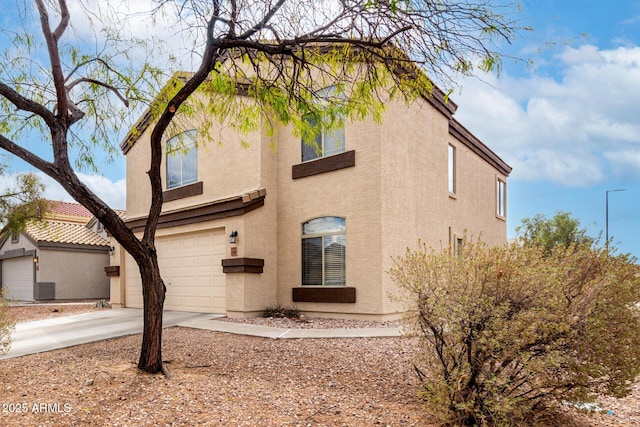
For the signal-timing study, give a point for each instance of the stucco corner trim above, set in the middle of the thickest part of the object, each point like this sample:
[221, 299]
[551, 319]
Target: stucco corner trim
[182, 192]
[341, 294]
[324, 164]
[242, 265]
[112, 270]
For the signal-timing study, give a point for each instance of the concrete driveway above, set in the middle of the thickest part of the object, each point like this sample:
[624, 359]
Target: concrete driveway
[61, 332]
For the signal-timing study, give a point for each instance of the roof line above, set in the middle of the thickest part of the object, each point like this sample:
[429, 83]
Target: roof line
[463, 135]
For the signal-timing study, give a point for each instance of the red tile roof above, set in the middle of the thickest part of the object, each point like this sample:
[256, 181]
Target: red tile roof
[63, 232]
[67, 208]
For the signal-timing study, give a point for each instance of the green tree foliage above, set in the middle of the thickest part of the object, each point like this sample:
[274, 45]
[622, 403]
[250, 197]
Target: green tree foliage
[507, 331]
[7, 325]
[22, 203]
[561, 229]
[260, 64]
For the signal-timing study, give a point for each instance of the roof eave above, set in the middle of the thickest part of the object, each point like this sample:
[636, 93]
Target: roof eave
[463, 135]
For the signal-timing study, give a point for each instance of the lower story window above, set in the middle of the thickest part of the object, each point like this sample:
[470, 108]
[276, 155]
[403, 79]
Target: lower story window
[323, 252]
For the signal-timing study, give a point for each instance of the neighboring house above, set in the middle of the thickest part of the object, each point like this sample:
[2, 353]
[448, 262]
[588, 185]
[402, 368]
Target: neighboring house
[58, 258]
[244, 227]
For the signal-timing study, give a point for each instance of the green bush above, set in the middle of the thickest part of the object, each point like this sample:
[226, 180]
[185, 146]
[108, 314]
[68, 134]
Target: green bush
[279, 311]
[507, 331]
[7, 324]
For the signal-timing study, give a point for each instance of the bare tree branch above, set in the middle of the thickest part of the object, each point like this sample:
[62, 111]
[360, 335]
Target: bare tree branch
[112, 88]
[261, 24]
[27, 156]
[54, 54]
[26, 104]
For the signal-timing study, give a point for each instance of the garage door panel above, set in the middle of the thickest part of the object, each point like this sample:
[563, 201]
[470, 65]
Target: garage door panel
[192, 271]
[17, 278]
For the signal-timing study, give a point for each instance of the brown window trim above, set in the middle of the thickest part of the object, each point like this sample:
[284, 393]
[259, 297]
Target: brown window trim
[342, 294]
[324, 164]
[112, 270]
[242, 265]
[182, 192]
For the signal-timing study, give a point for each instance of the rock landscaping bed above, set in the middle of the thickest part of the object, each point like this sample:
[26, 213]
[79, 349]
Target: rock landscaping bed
[231, 380]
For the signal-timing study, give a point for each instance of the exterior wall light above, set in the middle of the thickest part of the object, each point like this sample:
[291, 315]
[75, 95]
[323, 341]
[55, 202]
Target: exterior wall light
[35, 260]
[233, 237]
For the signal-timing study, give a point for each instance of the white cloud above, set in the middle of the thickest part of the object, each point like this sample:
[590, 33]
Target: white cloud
[625, 162]
[573, 130]
[113, 193]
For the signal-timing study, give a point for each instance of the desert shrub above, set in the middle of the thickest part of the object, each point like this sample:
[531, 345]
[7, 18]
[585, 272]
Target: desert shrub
[279, 311]
[7, 324]
[506, 331]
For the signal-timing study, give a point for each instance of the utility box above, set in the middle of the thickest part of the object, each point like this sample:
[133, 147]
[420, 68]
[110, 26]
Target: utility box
[44, 291]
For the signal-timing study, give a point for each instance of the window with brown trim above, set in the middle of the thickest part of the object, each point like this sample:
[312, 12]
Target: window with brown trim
[327, 131]
[323, 252]
[182, 159]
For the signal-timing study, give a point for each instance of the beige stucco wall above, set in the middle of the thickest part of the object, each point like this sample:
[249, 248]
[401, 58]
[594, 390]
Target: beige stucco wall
[23, 242]
[353, 193]
[258, 236]
[77, 274]
[394, 196]
[116, 284]
[417, 206]
[228, 166]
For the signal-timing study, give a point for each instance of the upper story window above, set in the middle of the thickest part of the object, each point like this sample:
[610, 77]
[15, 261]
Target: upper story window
[182, 159]
[329, 142]
[323, 252]
[452, 169]
[15, 237]
[501, 198]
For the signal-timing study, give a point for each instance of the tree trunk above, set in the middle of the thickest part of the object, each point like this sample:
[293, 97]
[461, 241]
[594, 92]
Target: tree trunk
[153, 294]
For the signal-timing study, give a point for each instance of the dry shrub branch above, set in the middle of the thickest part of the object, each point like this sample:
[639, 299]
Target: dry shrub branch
[507, 331]
[7, 324]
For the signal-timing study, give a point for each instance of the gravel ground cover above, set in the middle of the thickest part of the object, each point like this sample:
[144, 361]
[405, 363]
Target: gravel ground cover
[306, 323]
[231, 380]
[25, 313]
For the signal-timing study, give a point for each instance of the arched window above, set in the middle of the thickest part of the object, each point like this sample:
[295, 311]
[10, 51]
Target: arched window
[324, 143]
[323, 252]
[182, 159]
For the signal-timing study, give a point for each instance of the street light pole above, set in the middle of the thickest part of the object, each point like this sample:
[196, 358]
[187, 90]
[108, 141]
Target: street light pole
[606, 219]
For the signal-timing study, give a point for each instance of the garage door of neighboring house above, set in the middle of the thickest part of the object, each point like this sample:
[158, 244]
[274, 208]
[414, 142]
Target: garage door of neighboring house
[191, 266]
[17, 278]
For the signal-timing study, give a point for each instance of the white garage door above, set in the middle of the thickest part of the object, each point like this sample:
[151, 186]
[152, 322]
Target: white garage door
[191, 266]
[17, 278]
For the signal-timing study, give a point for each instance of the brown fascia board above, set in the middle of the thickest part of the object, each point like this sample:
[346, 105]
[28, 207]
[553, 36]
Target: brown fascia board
[436, 98]
[72, 246]
[145, 120]
[439, 101]
[467, 138]
[218, 209]
[132, 137]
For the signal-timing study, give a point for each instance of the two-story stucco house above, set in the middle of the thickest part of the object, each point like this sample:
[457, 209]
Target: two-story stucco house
[246, 227]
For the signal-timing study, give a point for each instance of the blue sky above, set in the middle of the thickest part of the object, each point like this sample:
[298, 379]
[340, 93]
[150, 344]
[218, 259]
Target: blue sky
[569, 126]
